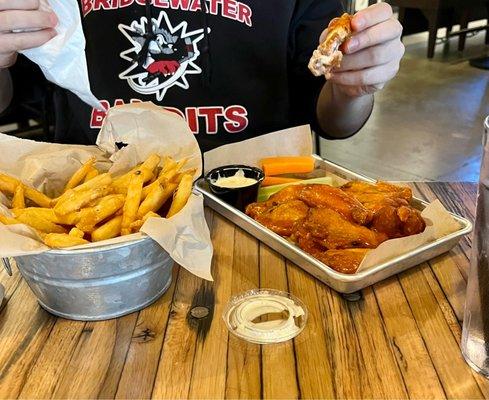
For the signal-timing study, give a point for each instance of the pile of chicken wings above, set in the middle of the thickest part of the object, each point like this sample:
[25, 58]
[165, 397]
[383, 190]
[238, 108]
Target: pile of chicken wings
[338, 226]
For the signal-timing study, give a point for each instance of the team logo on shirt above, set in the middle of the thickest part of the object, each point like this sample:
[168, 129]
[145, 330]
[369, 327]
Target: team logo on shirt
[165, 58]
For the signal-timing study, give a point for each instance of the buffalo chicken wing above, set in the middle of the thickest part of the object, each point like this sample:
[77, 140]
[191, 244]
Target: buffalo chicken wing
[390, 205]
[338, 226]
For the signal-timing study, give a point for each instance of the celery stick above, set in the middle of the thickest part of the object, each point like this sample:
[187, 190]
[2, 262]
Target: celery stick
[265, 192]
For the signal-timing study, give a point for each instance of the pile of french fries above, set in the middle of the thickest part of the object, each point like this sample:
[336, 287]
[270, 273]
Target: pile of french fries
[96, 206]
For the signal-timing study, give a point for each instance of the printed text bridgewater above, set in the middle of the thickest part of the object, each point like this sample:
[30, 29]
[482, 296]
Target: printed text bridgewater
[231, 9]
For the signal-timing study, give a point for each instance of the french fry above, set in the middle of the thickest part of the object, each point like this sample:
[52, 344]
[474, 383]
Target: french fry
[76, 200]
[45, 213]
[156, 173]
[53, 202]
[107, 206]
[120, 186]
[101, 180]
[168, 163]
[151, 214]
[136, 225]
[121, 183]
[109, 230]
[178, 177]
[94, 202]
[181, 195]
[161, 180]
[49, 214]
[37, 197]
[9, 183]
[156, 198]
[125, 178]
[71, 218]
[164, 177]
[98, 181]
[6, 220]
[151, 162]
[170, 167]
[61, 240]
[133, 200]
[80, 174]
[42, 235]
[76, 232]
[18, 201]
[40, 223]
[91, 174]
[180, 164]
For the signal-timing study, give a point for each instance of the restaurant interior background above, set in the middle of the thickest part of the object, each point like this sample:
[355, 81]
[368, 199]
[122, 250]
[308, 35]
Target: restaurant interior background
[427, 123]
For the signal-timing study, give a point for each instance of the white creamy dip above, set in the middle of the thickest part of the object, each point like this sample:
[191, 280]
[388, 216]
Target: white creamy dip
[235, 181]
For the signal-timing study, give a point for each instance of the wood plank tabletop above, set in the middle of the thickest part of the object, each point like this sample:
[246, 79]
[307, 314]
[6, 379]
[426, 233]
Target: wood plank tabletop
[400, 340]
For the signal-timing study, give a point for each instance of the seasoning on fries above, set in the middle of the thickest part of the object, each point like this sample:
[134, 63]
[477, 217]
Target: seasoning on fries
[96, 206]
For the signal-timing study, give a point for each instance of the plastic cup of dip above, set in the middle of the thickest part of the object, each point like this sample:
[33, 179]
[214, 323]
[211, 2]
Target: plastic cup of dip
[237, 185]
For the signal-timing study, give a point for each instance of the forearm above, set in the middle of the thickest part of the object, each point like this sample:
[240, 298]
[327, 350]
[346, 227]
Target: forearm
[340, 115]
[6, 89]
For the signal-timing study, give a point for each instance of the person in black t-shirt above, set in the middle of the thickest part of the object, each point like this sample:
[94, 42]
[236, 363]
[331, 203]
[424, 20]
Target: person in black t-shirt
[233, 69]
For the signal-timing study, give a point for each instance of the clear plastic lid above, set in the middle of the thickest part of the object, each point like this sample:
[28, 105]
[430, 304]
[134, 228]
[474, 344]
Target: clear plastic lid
[265, 316]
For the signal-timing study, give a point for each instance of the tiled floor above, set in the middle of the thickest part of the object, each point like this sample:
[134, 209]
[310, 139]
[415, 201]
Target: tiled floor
[427, 123]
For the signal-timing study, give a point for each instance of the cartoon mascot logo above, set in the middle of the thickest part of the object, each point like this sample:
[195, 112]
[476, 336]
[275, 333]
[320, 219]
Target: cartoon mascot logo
[165, 57]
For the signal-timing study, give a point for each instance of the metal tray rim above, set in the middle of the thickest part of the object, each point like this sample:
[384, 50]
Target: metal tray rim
[466, 227]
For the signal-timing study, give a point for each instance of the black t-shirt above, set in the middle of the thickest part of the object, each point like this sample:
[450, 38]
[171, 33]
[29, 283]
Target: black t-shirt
[233, 69]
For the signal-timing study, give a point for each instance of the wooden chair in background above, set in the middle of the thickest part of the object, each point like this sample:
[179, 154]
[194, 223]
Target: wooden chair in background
[456, 12]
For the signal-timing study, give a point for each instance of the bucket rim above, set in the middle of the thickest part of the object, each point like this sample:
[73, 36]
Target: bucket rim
[101, 248]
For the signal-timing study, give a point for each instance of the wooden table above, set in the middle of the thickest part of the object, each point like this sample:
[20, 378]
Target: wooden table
[400, 340]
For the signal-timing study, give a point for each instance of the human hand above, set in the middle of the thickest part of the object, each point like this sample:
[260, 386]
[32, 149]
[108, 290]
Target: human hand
[38, 27]
[372, 54]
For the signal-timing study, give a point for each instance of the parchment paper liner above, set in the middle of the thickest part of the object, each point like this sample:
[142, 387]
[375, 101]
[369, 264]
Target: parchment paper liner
[146, 129]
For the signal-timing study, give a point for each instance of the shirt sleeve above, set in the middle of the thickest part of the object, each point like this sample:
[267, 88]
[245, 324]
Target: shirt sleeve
[310, 18]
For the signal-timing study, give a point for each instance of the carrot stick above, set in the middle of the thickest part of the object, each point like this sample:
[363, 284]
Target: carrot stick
[277, 180]
[287, 165]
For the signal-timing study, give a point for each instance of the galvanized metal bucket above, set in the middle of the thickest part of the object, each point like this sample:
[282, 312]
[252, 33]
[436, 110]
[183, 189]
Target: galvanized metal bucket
[98, 283]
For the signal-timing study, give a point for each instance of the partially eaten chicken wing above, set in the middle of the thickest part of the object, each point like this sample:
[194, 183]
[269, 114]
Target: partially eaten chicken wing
[328, 54]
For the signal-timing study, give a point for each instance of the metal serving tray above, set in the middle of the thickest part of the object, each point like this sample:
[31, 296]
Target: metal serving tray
[343, 283]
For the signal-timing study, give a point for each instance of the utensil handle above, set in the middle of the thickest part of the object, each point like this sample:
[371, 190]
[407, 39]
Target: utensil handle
[7, 266]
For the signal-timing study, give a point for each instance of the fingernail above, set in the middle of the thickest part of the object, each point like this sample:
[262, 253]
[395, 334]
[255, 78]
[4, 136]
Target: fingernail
[353, 44]
[54, 19]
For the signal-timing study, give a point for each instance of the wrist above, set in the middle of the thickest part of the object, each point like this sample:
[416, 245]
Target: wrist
[339, 114]
[349, 93]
